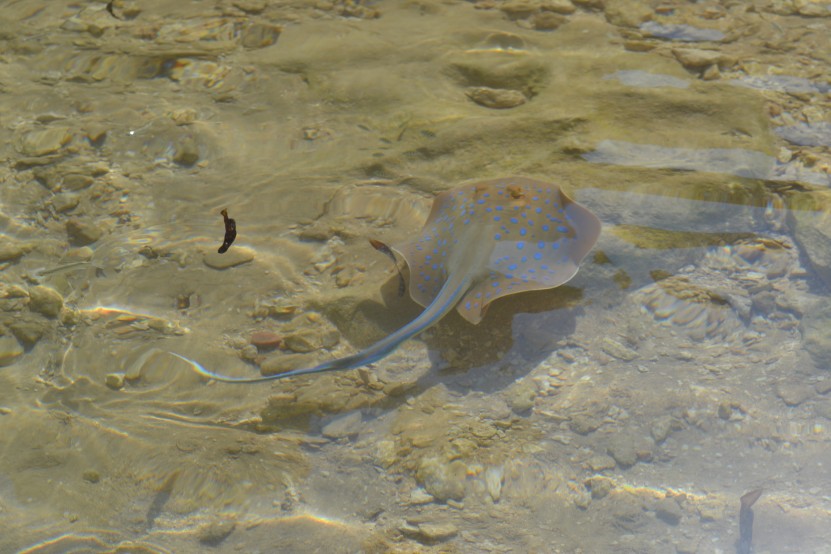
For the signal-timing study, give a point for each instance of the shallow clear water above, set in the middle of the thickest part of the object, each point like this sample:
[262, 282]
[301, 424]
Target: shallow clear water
[627, 411]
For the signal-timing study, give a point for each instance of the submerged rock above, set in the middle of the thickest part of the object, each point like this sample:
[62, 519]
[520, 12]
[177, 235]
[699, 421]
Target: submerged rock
[10, 350]
[444, 480]
[45, 300]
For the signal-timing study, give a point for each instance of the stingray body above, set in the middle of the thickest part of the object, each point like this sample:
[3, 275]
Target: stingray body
[481, 241]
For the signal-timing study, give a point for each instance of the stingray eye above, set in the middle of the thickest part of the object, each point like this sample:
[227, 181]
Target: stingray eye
[515, 192]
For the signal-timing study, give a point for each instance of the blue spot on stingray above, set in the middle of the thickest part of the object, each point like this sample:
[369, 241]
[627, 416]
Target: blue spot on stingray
[496, 218]
[537, 256]
[480, 201]
[497, 236]
[512, 267]
[466, 221]
[487, 195]
[418, 247]
[478, 295]
[532, 270]
[428, 257]
[509, 276]
[522, 215]
[487, 295]
[562, 229]
[495, 284]
[543, 266]
[524, 259]
[555, 245]
[514, 220]
[489, 209]
[444, 253]
[522, 232]
[426, 277]
[538, 210]
[435, 266]
[545, 228]
[520, 245]
[476, 304]
[536, 198]
[467, 305]
[435, 251]
[498, 208]
[541, 244]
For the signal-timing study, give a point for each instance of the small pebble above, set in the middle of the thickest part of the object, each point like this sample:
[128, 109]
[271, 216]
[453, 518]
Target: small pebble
[114, 380]
[265, 339]
[45, 300]
[497, 99]
[82, 233]
[215, 532]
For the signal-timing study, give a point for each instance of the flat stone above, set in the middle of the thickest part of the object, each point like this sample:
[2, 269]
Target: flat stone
[430, 533]
[823, 387]
[42, 142]
[280, 363]
[265, 339]
[617, 350]
[601, 462]
[45, 300]
[347, 425]
[236, 255]
[794, 394]
[11, 249]
[76, 181]
[29, 331]
[65, 202]
[10, 350]
[303, 341]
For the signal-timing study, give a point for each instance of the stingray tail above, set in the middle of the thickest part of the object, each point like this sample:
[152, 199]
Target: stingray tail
[451, 292]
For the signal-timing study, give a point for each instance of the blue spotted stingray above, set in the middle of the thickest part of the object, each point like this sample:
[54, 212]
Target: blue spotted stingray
[481, 242]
